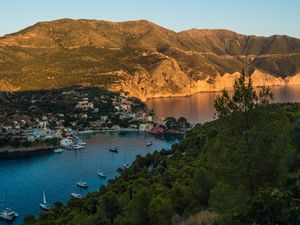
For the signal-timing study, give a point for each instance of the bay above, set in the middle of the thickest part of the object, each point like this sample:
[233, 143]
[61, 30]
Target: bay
[199, 108]
[57, 173]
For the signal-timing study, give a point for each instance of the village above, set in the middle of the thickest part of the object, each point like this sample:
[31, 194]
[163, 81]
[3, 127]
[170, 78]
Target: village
[52, 119]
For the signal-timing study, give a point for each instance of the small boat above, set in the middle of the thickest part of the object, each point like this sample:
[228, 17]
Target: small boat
[58, 150]
[77, 147]
[115, 150]
[82, 184]
[8, 214]
[44, 205]
[102, 174]
[149, 143]
[126, 166]
[76, 195]
[80, 142]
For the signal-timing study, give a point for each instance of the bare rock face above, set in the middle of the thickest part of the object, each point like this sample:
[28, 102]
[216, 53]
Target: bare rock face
[142, 58]
[6, 86]
[171, 82]
[163, 80]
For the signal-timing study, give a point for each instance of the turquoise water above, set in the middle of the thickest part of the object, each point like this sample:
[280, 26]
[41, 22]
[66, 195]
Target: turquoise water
[57, 173]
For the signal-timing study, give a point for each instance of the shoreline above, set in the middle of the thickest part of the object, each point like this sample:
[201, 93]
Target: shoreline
[11, 152]
[146, 99]
[87, 132]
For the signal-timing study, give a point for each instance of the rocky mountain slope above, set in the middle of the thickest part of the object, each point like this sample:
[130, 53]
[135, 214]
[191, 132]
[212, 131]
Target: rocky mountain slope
[141, 58]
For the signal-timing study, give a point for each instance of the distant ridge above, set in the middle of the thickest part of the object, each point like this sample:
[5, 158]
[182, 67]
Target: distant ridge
[141, 57]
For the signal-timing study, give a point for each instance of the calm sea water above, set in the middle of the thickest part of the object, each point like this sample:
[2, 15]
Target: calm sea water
[57, 173]
[199, 108]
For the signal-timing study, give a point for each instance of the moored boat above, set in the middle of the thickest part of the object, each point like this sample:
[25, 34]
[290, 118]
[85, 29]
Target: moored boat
[76, 195]
[102, 174]
[58, 150]
[44, 205]
[8, 214]
[79, 141]
[149, 144]
[115, 150]
[76, 147]
[82, 184]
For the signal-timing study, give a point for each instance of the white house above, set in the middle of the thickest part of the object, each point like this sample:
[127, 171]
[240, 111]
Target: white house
[145, 126]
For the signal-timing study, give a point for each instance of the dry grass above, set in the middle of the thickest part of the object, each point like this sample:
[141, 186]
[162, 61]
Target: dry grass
[204, 217]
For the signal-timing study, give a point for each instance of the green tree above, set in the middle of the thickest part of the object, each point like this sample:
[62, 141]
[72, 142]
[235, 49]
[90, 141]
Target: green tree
[182, 123]
[160, 211]
[272, 206]
[110, 205]
[252, 136]
[29, 220]
[251, 149]
[171, 123]
[200, 187]
[139, 206]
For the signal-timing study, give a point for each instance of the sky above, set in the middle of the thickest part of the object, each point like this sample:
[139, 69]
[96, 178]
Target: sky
[257, 17]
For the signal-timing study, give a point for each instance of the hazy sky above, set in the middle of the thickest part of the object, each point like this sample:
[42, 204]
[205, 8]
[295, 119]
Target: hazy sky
[259, 17]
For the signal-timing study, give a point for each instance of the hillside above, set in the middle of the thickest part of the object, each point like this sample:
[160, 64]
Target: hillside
[141, 58]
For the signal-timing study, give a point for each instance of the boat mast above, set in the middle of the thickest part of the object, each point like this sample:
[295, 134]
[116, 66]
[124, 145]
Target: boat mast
[44, 198]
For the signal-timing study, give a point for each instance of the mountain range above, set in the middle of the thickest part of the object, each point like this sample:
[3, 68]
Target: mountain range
[142, 58]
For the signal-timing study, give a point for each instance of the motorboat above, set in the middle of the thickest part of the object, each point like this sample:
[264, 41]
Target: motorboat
[44, 205]
[102, 174]
[126, 166]
[115, 150]
[76, 147]
[82, 184]
[80, 142]
[58, 150]
[76, 195]
[149, 143]
[8, 214]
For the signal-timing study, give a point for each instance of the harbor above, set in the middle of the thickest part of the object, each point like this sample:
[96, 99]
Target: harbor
[57, 174]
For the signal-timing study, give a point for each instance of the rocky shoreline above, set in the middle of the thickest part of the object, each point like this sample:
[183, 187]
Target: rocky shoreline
[10, 151]
[188, 87]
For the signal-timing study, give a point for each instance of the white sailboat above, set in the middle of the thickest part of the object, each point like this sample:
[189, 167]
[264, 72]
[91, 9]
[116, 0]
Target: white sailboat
[44, 205]
[102, 174]
[125, 165]
[76, 195]
[82, 184]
